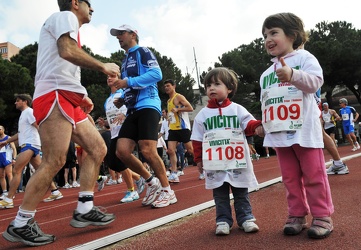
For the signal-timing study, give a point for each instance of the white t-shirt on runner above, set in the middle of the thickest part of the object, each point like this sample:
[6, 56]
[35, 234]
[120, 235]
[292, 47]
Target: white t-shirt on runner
[52, 71]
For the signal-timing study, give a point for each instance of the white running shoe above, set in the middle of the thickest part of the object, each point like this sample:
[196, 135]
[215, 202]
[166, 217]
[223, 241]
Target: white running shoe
[201, 176]
[153, 191]
[53, 197]
[173, 178]
[120, 180]
[101, 183]
[357, 145]
[140, 185]
[130, 196]
[165, 199]
[67, 185]
[249, 226]
[111, 182]
[75, 184]
[222, 228]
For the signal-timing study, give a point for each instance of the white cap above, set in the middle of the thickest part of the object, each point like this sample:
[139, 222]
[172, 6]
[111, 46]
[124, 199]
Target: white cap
[126, 27]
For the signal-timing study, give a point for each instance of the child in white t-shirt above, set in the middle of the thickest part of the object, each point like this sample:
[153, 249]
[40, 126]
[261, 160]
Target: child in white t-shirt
[290, 117]
[221, 150]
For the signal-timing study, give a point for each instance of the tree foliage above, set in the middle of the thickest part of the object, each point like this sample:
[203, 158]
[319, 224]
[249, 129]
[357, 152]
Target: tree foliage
[336, 46]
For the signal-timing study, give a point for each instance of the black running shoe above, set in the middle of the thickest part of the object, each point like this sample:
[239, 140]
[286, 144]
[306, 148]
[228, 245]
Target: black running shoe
[30, 234]
[94, 217]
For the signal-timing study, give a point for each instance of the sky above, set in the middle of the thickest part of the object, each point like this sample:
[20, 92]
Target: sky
[183, 30]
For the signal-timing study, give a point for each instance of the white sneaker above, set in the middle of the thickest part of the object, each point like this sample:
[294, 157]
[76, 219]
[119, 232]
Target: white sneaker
[152, 192]
[180, 172]
[67, 185]
[120, 180]
[168, 173]
[222, 228]
[173, 178]
[111, 182]
[201, 176]
[165, 199]
[357, 145]
[76, 184]
[130, 196]
[354, 149]
[101, 183]
[249, 226]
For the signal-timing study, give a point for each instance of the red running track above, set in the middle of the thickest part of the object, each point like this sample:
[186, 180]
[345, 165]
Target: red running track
[197, 231]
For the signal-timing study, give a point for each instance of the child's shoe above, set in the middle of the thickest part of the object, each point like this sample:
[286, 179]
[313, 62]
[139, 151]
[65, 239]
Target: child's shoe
[320, 228]
[294, 225]
[222, 228]
[249, 226]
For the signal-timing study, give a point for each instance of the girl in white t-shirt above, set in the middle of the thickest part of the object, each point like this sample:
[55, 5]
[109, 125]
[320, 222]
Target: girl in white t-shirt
[221, 150]
[290, 117]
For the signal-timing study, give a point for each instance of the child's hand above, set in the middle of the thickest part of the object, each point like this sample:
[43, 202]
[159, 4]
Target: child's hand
[285, 73]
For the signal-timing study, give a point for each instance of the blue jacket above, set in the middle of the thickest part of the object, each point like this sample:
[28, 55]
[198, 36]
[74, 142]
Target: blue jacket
[142, 71]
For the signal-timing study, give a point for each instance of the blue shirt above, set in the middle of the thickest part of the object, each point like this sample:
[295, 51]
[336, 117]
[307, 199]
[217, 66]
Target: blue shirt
[142, 71]
[347, 112]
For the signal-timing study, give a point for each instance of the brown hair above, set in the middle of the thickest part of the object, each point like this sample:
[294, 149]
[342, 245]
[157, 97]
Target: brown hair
[25, 97]
[291, 24]
[227, 76]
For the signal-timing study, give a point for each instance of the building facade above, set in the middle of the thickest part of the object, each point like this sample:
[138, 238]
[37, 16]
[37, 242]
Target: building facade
[8, 50]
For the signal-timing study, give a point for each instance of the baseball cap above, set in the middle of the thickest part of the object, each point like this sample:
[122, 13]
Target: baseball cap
[343, 100]
[126, 27]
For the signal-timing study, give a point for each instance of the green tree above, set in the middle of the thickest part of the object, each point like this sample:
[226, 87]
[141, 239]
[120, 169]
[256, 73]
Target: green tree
[335, 45]
[14, 79]
[27, 58]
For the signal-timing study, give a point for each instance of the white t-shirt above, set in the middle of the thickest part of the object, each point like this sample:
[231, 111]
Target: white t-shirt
[28, 134]
[113, 112]
[232, 115]
[307, 77]
[327, 118]
[161, 143]
[52, 71]
[164, 129]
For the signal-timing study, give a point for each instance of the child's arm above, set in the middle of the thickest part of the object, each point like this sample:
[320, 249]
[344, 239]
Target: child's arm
[197, 154]
[302, 79]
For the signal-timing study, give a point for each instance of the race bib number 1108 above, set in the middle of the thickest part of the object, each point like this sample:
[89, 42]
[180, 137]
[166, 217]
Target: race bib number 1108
[223, 150]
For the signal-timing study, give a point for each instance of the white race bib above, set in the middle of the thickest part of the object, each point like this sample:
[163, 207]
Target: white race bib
[282, 109]
[345, 117]
[224, 149]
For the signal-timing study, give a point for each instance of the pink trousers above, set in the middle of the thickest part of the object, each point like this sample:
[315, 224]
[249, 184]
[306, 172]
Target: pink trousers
[305, 178]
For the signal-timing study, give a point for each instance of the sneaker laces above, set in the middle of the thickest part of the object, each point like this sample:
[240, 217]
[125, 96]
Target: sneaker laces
[99, 210]
[162, 195]
[35, 229]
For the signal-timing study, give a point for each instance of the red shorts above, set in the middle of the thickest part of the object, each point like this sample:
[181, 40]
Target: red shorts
[44, 104]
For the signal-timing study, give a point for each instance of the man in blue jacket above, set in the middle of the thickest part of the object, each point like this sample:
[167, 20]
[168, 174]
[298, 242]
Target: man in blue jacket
[140, 73]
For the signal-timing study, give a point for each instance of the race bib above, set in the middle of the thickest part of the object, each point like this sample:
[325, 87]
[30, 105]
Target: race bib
[224, 150]
[326, 119]
[345, 117]
[282, 109]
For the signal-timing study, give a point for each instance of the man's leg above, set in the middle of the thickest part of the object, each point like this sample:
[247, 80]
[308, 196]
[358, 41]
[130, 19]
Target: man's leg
[149, 151]
[53, 159]
[66, 176]
[330, 146]
[125, 149]
[22, 159]
[172, 145]
[86, 135]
